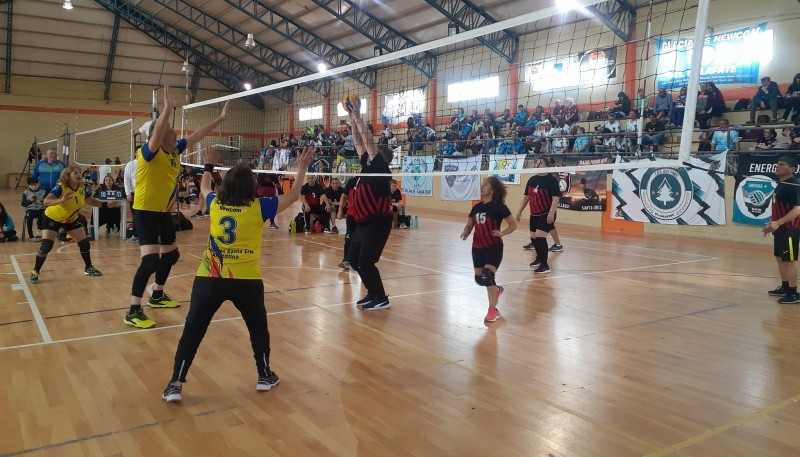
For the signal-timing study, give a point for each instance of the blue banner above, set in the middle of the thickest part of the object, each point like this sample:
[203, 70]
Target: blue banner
[755, 183]
[728, 58]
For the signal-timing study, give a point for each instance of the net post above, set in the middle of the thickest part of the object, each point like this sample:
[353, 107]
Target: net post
[685, 149]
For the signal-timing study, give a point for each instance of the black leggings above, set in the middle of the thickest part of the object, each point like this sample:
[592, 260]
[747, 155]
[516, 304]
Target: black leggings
[32, 214]
[366, 247]
[208, 294]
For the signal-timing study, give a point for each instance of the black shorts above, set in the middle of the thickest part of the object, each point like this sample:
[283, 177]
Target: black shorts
[539, 222]
[491, 255]
[154, 227]
[50, 224]
[785, 242]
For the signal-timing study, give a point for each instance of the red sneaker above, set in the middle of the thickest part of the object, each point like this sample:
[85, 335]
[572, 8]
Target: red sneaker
[492, 315]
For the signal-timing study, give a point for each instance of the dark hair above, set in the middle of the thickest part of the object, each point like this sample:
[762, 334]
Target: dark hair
[386, 152]
[238, 187]
[789, 160]
[3, 214]
[499, 191]
[32, 180]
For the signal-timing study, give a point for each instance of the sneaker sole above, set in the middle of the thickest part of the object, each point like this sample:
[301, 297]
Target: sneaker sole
[34, 282]
[134, 324]
[386, 305]
[266, 387]
[172, 398]
[159, 305]
[543, 272]
[775, 294]
[492, 320]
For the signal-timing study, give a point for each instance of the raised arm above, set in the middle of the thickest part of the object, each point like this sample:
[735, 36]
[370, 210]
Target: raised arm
[361, 134]
[198, 135]
[163, 122]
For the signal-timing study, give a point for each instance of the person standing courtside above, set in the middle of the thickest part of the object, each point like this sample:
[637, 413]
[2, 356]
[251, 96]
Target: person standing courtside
[541, 194]
[785, 229]
[230, 267]
[371, 206]
[48, 170]
[157, 168]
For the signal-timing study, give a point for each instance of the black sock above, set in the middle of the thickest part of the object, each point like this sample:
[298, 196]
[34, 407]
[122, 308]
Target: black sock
[135, 308]
[40, 262]
[157, 294]
[540, 244]
[785, 284]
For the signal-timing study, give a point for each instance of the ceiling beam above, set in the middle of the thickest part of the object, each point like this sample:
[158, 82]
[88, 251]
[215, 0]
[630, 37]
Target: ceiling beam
[381, 34]
[617, 15]
[468, 16]
[9, 36]
[223, 68]
[194, 84]
[112, 52]
[273, 59]
[333, 56]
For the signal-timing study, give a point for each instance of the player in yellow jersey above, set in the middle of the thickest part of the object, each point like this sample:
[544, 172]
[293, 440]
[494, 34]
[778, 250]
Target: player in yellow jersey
[230, 267]
[62, 204]
[157, 169]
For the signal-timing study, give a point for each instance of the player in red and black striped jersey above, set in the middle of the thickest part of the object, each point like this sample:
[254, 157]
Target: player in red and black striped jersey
[330, 200]
[487, 242]
[541, 195]
[311, 197]
[785, 227]
[371, 207]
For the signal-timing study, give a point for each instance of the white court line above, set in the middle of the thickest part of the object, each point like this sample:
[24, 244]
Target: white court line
[37, 316]
[635, 247]
[134, 332]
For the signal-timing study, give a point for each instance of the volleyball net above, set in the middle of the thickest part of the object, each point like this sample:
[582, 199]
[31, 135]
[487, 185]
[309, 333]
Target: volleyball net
[93, 147]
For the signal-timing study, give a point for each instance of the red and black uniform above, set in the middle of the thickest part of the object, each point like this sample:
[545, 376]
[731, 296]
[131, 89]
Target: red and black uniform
[371, 207]
[268, 185]
[349, 191]
[487, 249]
[540, 190]
[312, 194]
[787, 237]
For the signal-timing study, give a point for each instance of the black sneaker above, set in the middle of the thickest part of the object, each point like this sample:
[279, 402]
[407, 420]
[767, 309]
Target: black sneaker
[529, 246]
[557, 248]
[335, 230]
[542, 269]
[535, 263]
[382, 303]
[790, 298]
[367, 298]
[265, 384]
[172, 393]
[779, 291]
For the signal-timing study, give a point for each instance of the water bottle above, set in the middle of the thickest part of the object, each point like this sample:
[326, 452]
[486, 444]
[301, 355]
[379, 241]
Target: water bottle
[293, 226]
[415, 223]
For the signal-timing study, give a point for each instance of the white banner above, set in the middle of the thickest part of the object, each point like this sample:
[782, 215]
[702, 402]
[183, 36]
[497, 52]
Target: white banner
[398, 107]
[418, 186]
[672, 195]
[506, 165]
[461, 187]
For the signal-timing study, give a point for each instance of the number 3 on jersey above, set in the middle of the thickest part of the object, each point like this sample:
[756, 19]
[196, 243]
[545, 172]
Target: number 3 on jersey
[228, 224]
[480, 218]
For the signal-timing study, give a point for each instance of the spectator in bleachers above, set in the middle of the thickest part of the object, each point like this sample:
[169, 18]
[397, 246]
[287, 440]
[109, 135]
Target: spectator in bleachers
[598, 138]
[653, 133]
[612, 124]
[632, 131]
[570, 111]
[642, 102]
[713, 106]
[521, 117]
[489, 120]
[582, 142]
[474, 117]
[429, 133]
[767, 140]
[725, 139]
[503, 119]
[663, 104]
[457, 118]
[792, 101]
[506, 130]
[676, 115]
[558, 109]
[478, 124]
[766, 95]
[558, 143]
[417, 142]
[623, 105]
[33, 201]
[785, 140]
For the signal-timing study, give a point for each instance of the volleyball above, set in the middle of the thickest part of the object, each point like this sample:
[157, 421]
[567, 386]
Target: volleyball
[351, 102]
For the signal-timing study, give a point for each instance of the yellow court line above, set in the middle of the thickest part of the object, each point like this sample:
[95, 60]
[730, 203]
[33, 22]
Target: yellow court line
[725, 427]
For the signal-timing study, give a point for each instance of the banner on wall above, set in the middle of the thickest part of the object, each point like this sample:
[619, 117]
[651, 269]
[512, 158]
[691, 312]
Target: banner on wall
[728, 58]
[418, 186]
[755, 183]
[583, 190]
[506, 165]
[348, 165]
[398, 107]
[461, 187]
[587, 68]
[672, 195]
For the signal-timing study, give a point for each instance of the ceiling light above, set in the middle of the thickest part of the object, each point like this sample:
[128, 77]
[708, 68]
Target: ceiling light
[185, 67]
[250, 42]
[248, 86]
[452, 29]
[322, 67]
[67, 5]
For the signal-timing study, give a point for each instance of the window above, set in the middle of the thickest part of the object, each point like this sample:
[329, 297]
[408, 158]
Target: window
[310, 114]
[473, 90]
[341, 112]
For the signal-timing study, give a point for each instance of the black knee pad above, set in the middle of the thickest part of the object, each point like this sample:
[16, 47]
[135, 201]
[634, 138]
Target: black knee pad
[146, 269]
[83, 245]
[486, 278]
[45, 248]
[170, 258]
[479, 280]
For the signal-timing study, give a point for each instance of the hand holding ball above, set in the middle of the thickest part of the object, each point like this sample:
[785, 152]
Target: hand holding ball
[351, 103]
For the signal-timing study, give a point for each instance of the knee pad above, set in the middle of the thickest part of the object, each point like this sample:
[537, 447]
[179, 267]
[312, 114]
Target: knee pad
[170, 258]
[83, 245]
[486, 278]
[45, 248]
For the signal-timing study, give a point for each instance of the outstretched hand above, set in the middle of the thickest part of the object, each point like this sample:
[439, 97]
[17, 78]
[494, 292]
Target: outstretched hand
[224, 113]
[305, 158]
[169, 100]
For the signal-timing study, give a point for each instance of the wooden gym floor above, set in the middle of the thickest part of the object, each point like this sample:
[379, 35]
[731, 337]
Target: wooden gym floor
[647, 346]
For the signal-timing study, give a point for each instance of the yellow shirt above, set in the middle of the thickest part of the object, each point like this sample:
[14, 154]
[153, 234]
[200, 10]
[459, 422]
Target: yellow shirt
[157, 177]
[234, 244]
[68, 211]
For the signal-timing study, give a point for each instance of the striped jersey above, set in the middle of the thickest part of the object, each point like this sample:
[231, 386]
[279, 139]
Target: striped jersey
[371, 195]
[784, 199]
[486, 218]
[540, 190]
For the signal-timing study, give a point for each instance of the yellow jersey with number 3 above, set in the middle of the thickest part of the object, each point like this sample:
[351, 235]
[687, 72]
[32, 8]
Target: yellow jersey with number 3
[68, 211]
[234, 244]
[157, 177]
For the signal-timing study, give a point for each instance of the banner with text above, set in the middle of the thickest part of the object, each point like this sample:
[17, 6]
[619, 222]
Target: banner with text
[672, 195]
[461, 187]
[728, 58]
[418, 186]
[506, 165]
[755, 183]
[583, 190]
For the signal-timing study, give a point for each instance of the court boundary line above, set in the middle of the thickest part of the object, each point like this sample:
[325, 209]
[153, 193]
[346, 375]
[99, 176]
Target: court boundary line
[37, 315]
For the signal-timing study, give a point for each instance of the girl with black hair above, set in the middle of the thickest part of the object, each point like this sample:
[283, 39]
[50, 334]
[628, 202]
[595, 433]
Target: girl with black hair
[7, 232]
